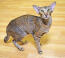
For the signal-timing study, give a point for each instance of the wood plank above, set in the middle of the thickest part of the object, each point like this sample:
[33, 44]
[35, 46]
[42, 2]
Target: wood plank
[53, 43]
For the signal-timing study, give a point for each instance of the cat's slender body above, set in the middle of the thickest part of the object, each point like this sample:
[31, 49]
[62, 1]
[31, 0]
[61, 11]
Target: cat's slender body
[29, 24]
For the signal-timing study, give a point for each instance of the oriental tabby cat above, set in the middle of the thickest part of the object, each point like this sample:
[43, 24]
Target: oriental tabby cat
[31, 24]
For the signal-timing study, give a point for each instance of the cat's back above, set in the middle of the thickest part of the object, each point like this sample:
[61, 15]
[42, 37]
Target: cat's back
[25, 21]
[24, 18]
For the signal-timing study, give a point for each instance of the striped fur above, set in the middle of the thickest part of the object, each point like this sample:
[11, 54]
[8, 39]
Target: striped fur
[28, 24]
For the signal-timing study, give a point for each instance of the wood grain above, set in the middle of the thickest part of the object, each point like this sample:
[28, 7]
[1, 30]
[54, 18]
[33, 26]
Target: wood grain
[53, 43]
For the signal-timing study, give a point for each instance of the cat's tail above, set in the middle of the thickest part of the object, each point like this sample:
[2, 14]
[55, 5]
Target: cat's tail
[6, 38]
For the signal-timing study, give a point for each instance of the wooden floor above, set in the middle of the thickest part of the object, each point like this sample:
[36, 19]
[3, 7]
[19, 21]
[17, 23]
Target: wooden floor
[53, 43]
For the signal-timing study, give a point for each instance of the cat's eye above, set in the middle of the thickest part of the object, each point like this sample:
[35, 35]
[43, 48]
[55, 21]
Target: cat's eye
[42, 10]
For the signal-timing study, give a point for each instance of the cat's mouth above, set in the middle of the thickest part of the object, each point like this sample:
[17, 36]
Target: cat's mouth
[45, 17]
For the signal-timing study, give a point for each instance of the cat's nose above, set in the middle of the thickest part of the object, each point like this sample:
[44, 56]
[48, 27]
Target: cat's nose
[46, 14]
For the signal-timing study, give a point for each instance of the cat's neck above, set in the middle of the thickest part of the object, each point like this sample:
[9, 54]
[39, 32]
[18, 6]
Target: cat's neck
[47, 22]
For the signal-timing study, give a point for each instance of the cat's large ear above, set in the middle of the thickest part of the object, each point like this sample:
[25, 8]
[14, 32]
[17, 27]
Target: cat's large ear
[53, 5]
[36, 8]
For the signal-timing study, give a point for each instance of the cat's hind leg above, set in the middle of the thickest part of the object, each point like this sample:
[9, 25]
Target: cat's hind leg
[18, 46]
[17, 37]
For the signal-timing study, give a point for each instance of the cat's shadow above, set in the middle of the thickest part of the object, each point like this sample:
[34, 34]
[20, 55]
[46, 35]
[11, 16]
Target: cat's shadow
[29, 39]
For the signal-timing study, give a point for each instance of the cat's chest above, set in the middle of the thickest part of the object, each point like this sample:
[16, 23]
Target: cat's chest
[44, 27]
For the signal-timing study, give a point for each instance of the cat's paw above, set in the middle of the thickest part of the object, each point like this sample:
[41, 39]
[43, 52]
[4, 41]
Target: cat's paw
[40, 52]
[21, 49]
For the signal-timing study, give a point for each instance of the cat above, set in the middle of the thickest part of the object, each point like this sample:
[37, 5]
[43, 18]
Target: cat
[31, 24]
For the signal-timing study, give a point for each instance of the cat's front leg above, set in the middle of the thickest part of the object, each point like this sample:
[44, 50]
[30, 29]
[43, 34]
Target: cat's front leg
[37, 37]
[37, 41]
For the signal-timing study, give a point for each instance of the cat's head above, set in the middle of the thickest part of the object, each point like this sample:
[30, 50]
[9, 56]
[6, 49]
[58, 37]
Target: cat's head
[45, 11]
